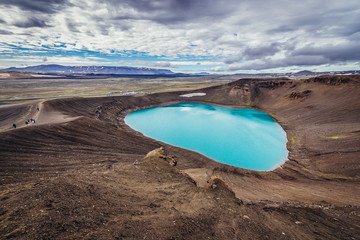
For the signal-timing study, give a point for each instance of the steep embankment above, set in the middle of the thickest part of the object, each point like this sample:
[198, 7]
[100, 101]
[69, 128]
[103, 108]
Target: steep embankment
[321, 116]
[87, 178]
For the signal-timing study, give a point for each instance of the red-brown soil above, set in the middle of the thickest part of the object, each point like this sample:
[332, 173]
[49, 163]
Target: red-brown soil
[81, 173]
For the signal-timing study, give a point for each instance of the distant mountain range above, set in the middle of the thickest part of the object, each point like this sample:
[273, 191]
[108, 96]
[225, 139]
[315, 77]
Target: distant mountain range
[59, 69]
[133, 71]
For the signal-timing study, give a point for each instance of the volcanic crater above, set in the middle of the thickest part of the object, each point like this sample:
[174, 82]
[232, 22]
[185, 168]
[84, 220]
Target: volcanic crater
[81, 173]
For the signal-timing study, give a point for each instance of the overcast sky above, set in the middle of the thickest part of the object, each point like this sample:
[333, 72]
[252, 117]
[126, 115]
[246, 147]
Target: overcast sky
[230, 36]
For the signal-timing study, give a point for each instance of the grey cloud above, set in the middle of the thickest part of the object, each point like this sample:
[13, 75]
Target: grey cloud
[124, 26]
[346, 30]
[263, 28]
[5, 32]
[90, 34]
[334, 52]
[301, 60]
[262, 51]
[304, 57]
[172, 11]
[327, 21]
[285, 62]
[163, 64]
[251, 53]
[71, 26]
[320, 18]
[44, 6]
[282, 29]
[234, 59]
[104, 30]
[32, 22]
[105, 23]
[155, 64]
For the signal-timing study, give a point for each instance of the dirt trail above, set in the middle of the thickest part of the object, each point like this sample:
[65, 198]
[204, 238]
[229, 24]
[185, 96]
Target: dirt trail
[41, 115]
[44, 116]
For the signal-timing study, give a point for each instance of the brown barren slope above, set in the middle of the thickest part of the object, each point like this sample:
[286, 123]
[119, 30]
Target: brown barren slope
[86, 176]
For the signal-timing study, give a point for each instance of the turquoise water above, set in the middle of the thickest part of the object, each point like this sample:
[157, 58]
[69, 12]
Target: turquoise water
[243, 138]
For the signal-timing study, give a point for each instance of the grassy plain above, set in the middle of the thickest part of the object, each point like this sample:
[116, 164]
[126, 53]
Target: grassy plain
[26, 89]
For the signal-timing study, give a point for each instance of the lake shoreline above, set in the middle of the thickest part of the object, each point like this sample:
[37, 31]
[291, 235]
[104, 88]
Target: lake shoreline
[162, 130]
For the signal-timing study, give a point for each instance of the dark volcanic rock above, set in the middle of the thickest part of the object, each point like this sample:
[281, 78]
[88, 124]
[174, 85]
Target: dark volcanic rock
[297, 95]
[332, 80]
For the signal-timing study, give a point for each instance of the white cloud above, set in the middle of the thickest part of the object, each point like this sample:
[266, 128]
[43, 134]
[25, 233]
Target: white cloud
[249, 35]
[174, 64]
[6, 62]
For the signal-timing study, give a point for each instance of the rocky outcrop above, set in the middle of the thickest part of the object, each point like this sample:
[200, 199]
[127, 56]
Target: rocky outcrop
[244, 93]
[160, 153]
[240, 92]
[218, 185]
[300, 95]
[331, 80]
[273, 84]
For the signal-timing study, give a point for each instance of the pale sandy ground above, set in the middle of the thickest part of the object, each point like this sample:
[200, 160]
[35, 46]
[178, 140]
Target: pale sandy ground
[273, 190]
[4, 75]
[41, 117]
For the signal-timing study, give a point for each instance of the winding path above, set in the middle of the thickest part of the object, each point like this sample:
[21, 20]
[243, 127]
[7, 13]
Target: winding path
[41, 116]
